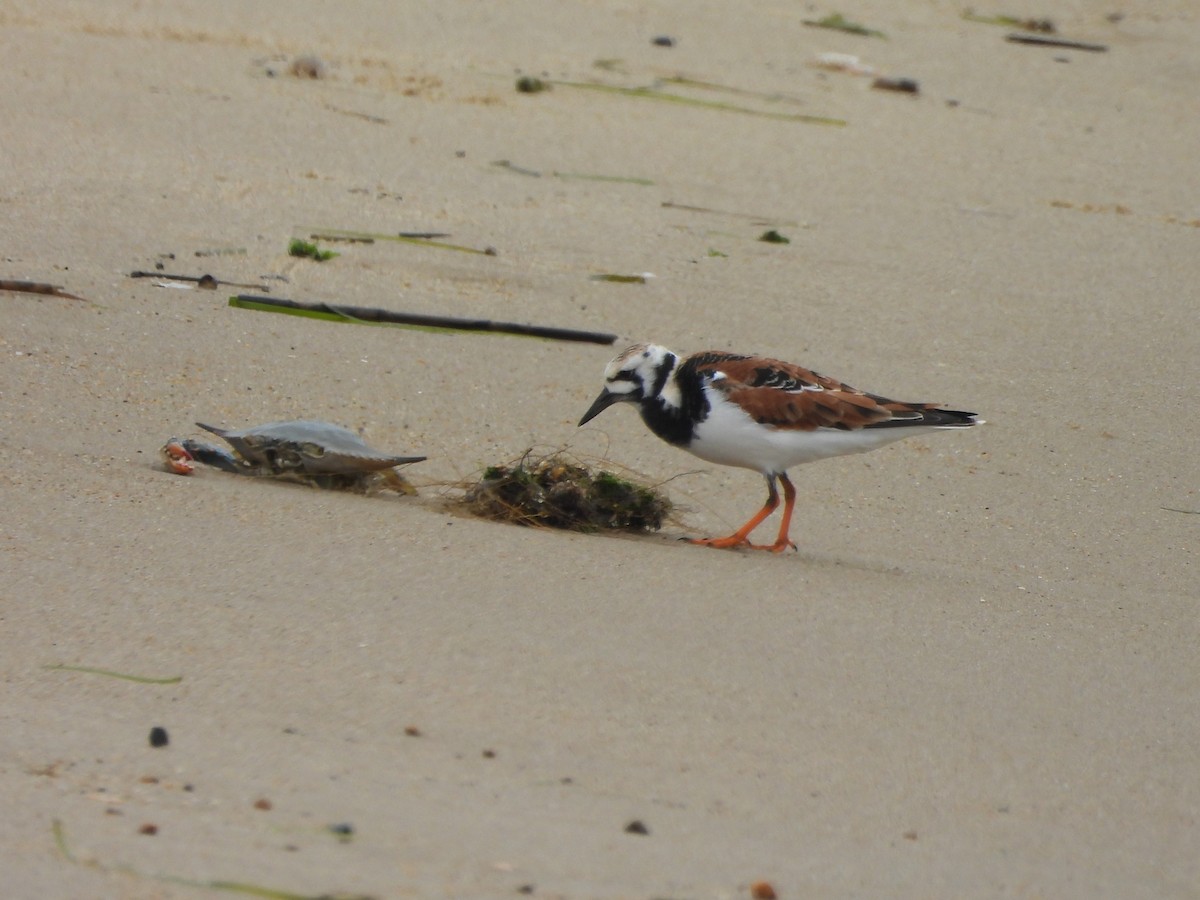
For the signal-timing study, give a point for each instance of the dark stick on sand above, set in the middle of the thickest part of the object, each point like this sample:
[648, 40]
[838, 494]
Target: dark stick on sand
[389, 317]
[1040, 40]
[35, 287]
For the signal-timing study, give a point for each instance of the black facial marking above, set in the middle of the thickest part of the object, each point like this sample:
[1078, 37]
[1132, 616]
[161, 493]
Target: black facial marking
[663, 372]
[676, 424]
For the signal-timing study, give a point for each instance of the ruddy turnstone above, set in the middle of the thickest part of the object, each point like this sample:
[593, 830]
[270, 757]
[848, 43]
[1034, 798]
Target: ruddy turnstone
[759, 413]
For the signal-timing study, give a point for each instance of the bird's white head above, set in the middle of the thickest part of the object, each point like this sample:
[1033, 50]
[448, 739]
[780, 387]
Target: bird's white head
[638, 373]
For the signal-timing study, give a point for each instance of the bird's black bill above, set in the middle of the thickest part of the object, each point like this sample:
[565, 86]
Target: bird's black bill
[606, 399]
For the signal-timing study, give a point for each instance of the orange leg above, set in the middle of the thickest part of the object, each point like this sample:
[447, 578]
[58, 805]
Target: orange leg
[783, 542]
[742, 535]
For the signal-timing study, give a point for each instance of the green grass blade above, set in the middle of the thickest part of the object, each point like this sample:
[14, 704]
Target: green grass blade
[233, 887]
[647, 93]
[615, 179]
[140, 679]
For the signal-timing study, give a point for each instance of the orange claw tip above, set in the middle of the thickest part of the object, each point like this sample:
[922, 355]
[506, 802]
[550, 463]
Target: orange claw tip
[177, 458]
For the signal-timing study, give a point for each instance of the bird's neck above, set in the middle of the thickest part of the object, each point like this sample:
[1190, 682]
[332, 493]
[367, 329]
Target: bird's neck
[674, 411]
[668, 422]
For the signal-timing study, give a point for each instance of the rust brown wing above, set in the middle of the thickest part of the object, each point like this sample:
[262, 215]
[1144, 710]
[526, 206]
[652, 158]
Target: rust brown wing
[785, 395]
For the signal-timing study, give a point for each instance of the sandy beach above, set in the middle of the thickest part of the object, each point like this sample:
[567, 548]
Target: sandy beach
[977, 676]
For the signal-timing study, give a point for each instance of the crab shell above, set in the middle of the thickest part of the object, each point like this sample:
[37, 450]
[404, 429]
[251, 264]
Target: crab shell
[307, 447]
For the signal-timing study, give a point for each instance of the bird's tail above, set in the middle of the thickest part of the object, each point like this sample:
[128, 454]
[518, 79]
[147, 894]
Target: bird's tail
[950, 418]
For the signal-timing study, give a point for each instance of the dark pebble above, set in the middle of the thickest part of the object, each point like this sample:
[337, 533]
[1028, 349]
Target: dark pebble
[901, 85]
[527, 84]
[159, 737]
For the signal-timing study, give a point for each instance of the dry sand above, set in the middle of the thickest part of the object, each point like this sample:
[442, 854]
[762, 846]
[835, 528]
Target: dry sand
[977, 677]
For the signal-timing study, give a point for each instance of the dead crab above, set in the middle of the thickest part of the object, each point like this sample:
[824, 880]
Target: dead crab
[310, 452]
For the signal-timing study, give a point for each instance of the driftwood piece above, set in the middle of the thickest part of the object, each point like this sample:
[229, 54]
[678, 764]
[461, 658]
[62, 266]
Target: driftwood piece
[377, 316]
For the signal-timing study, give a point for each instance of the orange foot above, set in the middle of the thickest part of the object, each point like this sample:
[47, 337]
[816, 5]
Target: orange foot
[779, 547]
[736, 540]
[742, 535]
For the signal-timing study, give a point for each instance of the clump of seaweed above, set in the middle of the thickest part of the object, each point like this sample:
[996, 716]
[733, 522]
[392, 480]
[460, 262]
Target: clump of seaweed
[298, 247]
[560, 491]
[527, 84]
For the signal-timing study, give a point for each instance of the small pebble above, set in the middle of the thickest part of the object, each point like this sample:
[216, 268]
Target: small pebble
[159, 737]
[762, 890]
[149, 828]
[637, 826]
[307, 67]
[663, 40]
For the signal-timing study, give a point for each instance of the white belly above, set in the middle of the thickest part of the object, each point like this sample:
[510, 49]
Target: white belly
[731, 438]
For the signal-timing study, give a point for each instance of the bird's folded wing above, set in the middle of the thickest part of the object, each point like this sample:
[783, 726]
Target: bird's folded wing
[807, 410]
